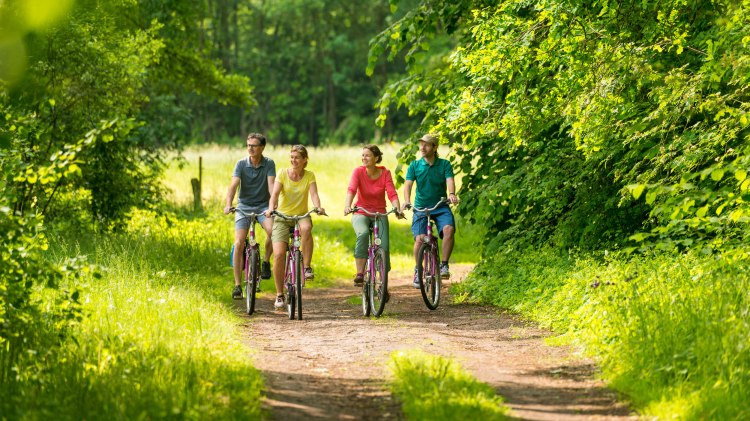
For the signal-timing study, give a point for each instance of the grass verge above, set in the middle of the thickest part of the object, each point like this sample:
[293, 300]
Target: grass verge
[670, 331]
[437, 388]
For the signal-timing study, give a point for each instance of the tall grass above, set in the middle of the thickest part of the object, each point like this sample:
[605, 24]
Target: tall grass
[432, 387]
[670, 331]
[158, 340]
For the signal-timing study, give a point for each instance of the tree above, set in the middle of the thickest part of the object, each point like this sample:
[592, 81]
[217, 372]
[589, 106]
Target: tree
[558, 110]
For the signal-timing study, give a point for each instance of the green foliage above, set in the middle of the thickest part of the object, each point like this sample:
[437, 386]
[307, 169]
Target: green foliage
[31, 328]
[307, 60]
[96, 107]
[668, 330]
[437, 388]
[554, 108]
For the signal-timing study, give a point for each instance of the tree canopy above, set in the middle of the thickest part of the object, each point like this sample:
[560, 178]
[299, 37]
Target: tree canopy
[586, 123]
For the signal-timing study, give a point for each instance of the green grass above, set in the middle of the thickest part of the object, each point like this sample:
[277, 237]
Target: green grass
[432, 387]
[670, 331]
[159, 340]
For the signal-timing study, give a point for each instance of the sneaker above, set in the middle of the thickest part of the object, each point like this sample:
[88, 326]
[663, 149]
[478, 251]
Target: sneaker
[416, 280]
[279, 304]
[237, 292]
[359, 279]
[444, 272]
[309, 275]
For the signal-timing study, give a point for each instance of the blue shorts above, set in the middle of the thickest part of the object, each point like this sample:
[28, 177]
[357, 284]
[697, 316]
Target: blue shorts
[241, 222]
[442, 217]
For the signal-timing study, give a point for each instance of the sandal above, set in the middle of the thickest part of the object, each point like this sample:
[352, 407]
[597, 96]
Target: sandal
[359, 279]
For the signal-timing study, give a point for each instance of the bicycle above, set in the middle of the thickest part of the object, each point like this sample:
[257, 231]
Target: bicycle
[251, 262]
[428, 260]
[375, 286]
[294, 279]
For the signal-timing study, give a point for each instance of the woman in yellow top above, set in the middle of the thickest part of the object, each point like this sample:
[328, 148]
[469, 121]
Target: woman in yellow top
[289, 197]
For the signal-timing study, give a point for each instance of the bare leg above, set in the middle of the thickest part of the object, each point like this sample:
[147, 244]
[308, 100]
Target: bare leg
[279, 253]
[268, 227]
[239, 252]
[417, 244]
[305, 229]
[448, 241]
[360, 263]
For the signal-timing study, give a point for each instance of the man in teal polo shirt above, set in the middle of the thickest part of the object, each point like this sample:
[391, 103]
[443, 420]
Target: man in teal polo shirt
[434, 178]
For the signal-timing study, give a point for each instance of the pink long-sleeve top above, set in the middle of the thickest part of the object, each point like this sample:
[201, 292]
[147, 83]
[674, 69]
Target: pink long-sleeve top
[371, 193]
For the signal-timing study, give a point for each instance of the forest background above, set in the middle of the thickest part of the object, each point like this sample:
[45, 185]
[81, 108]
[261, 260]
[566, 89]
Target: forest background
[604, 147]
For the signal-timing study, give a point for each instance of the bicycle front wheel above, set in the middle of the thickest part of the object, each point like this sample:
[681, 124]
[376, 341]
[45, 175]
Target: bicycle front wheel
[289, 281]
[366, 290]
[429, 278]
[298, 281]
[290, 304]
[251, 279]
[378, 285]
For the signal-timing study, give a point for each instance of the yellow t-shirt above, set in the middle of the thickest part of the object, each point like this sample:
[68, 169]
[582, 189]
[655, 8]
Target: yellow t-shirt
[293, 196]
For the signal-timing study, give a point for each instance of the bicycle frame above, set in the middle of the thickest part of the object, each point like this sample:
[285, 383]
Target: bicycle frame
[293, 278]
[252, 249]
[373, 298]
[427, 264]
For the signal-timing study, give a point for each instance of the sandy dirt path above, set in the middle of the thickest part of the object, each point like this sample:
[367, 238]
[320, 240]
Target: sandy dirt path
[331, 365]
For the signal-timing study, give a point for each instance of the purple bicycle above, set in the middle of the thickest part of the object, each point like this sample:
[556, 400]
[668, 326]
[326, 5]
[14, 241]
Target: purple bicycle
[251, 262]
[294, 280]
[428, 261]
[375, 287]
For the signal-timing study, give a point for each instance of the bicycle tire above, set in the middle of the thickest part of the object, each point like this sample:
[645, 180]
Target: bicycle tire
[429, 278]
[298, 282]
[290, 305]
[251, 279]
[290, 299]
[366, 290]
[378, 285]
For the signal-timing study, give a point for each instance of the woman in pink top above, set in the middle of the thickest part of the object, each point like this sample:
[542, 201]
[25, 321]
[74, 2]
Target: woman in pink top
[371, 184]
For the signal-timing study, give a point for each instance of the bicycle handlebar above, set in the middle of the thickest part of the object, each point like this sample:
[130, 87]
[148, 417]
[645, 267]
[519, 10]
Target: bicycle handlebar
[442, 200]
[375, 214]
[298, 217]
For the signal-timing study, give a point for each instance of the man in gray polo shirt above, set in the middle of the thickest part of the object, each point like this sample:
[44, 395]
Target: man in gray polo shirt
[254, 175]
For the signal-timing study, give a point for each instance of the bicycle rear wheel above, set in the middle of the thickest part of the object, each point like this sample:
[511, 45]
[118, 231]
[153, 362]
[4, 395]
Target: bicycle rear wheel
[378, 285]
[366, 290]
[251, 279]
[429, 278]
[298, 281]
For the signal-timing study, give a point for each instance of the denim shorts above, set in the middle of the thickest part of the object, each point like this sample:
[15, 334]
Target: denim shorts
[442, 217]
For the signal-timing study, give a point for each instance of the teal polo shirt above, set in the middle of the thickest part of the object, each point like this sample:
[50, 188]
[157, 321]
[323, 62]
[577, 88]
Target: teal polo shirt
[431, 181]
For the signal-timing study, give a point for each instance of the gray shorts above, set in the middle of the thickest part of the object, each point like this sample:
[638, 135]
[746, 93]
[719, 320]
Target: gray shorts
[241, 222]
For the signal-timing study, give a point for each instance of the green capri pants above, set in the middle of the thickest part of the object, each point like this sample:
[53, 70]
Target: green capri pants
[361, 224]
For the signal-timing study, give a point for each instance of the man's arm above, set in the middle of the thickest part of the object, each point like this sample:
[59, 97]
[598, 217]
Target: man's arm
[271, 180]
[230, 193]
[451, 190]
